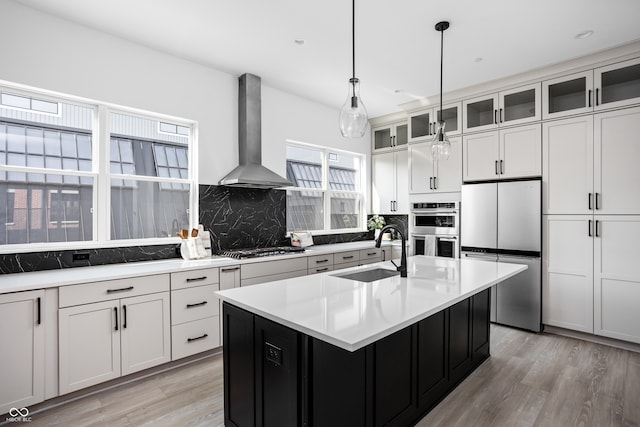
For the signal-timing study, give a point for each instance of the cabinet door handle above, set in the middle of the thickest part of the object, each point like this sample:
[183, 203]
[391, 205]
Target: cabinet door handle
[124, 317]
[321, 261]
[198, 304]
[589, 98]
[115, 314]
[597, 228]
[39, 312]
[496, 167]
[431, 183]
[590, 201]
[112, 291]
[597, 96]
[597, 201]
[501, 120]
[501, 167]
[435, 182]
[225, 270]
[495, 117]
[196, 279]
[590, 228]
[197, 338]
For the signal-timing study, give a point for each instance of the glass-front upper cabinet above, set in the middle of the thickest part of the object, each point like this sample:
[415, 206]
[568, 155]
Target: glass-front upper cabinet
[511, 107]
[617, 85]
[424, 124]
[567, 95]
[390, 136]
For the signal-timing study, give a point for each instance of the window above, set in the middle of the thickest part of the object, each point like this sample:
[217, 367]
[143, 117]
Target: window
[53, 185]
[328, 194]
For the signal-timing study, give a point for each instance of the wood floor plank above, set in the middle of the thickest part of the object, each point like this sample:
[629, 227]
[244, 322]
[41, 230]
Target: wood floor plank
[530, 380]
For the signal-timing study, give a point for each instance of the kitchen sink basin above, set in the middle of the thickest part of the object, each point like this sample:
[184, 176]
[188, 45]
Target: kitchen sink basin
[369, 275]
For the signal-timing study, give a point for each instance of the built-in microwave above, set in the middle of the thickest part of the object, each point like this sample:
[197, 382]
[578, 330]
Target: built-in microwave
[434, 228]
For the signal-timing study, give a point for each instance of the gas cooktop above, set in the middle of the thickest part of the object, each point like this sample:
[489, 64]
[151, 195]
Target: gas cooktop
[260, 252]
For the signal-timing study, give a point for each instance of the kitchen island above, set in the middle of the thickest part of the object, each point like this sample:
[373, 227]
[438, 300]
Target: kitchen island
[330, 349]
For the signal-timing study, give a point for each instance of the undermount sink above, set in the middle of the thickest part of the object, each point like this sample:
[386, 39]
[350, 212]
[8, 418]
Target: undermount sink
[369, 275]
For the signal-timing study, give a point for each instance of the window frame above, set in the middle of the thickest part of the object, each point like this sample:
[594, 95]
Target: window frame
[100, 170]
[327, 192]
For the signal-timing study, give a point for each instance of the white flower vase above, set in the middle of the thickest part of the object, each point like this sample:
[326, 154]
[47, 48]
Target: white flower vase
[376, 233]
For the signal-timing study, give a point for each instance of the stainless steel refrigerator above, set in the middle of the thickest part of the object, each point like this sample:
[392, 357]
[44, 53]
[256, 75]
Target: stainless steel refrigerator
[501, 221]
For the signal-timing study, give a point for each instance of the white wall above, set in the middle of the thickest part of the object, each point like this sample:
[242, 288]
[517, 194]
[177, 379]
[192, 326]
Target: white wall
[46, 52]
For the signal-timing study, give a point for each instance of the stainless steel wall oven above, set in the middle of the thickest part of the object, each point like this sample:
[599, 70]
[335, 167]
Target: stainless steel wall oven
[434, 228]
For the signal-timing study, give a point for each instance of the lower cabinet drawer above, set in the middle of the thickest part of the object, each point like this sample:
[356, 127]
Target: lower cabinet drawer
[368, 256]
[324, 269]
[347, 257]
[193, 304]
[194, 337]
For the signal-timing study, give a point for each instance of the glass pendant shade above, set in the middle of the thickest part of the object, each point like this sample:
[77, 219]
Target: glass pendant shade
[440, 145]
[353, 115]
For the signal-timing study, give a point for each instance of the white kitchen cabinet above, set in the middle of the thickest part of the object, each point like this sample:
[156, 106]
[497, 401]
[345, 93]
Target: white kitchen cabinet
[423, 124]
[567, 284]
[617, 277]
[510, 107]
[389, 137]
[22, 357]
[435, 176]
[613, 86]
[590, 164]
[100, 341]
[567, 166]
[389, 192]
[508, 153]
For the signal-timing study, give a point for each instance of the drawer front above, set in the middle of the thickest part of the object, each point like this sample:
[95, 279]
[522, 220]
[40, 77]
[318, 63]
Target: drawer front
[193, 304]
[187, 279]
[271, 267]
[324, 269]
[318, 261]
[194, 337]
[272, 277]
[346, 257]
[86, 293]
[346, 265]
[368, 256]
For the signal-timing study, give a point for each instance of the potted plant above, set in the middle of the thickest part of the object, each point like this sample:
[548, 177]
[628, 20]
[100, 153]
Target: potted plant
[376, 223]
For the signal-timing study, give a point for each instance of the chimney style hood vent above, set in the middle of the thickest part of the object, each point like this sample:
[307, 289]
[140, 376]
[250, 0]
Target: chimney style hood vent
[250, 173]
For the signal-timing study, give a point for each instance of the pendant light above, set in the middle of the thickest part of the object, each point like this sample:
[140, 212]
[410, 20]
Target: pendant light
[353, 115]
[440, 145]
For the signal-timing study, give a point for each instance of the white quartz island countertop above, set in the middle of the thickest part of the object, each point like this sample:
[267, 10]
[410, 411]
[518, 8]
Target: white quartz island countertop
[352, 314]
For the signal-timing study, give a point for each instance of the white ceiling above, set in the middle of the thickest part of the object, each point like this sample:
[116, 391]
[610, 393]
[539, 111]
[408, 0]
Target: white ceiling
[397, 47]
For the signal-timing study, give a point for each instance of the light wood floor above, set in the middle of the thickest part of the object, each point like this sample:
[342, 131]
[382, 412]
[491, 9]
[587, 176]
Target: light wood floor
[529, 380]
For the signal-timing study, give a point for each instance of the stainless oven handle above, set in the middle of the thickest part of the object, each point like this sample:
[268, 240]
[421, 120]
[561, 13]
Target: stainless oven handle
[418, 211]
[448, 238]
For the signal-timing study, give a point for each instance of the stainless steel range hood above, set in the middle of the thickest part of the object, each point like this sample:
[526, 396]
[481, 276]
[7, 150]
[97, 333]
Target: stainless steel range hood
[250, 173]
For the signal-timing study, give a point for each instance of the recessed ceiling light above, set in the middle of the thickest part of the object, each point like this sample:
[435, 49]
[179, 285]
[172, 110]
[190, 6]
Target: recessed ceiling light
[299, 42]
[583, 34]
[398, 91]
[478, 59]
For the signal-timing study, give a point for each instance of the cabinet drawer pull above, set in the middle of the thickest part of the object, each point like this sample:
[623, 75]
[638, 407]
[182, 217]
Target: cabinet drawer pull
[319, 270]
[597, 199]
[347, 257]
[196, 279]
[197, 338]
[224, 270]
[372, 253]
[115, 314]
[198, 304]
[124, 317]
[589, 96]
[39, 316]
[590, 228]
[320, 261]
[113, 291]
[590, 201]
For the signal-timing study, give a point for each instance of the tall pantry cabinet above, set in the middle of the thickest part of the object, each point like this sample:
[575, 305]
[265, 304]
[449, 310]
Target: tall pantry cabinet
[591, 212]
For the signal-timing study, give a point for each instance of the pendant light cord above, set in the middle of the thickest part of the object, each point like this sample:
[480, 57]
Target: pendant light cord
[353, 37]
[441, 68]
